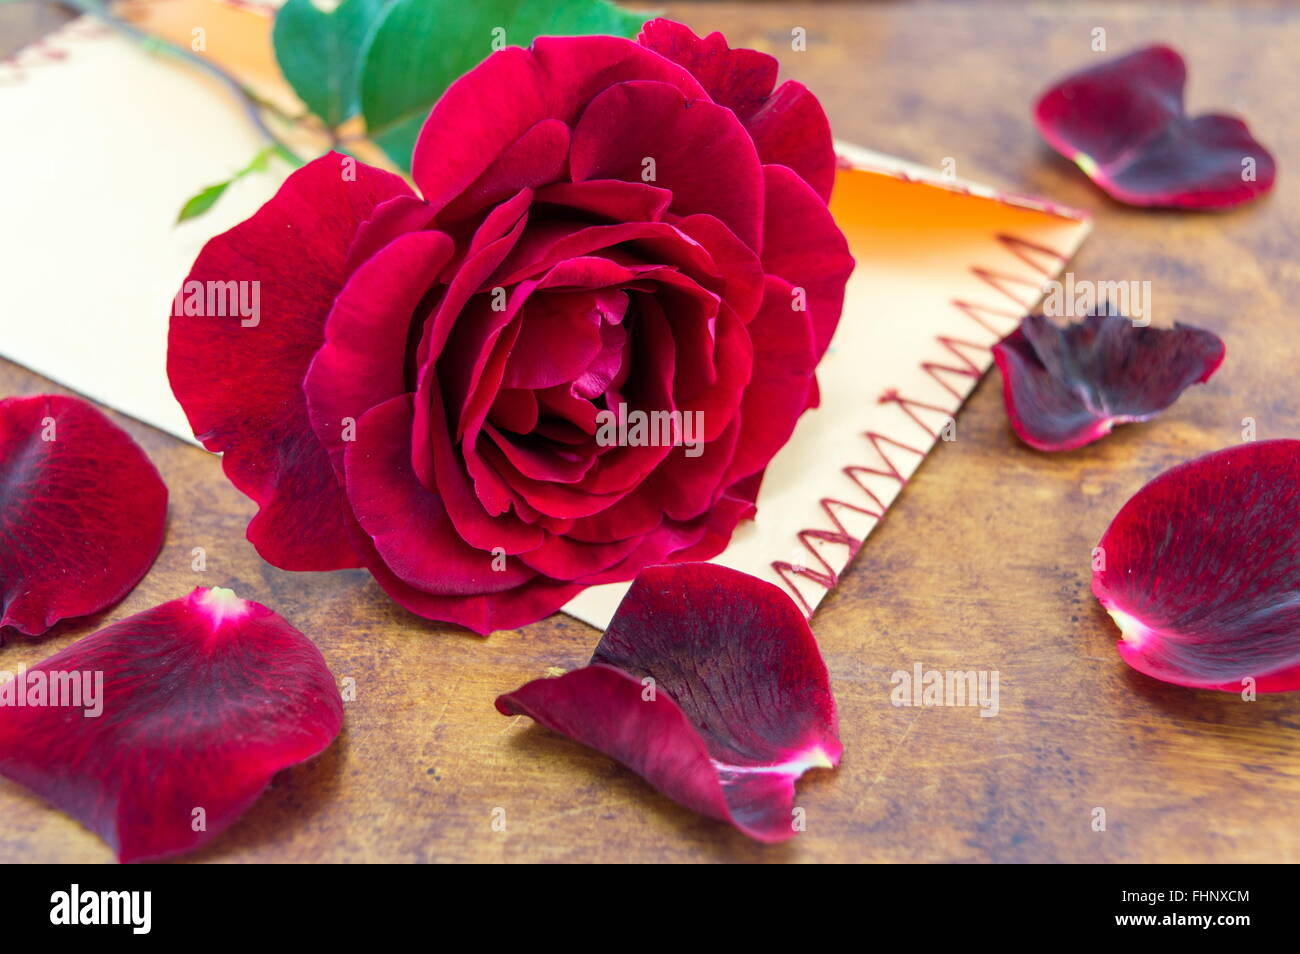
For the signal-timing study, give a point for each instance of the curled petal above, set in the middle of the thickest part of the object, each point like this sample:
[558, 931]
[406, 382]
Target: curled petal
[709, 685]
[82, 511]
[1123, 123]
[1066, 387]
[192, 706]
[1201, 571]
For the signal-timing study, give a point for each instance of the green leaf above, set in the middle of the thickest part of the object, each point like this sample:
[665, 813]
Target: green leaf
[203, 201]
[206, 198]
[320, 53]
[420, 47]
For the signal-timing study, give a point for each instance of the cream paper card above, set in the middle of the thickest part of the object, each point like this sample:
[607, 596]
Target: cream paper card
[114, 140]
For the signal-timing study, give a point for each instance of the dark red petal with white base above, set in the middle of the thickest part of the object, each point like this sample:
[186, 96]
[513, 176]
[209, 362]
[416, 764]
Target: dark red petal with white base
[202, 701]
[708, 683]
[241, 385]
[1201, 571]
[1123, 124]
[1068, 386]
[82, 512]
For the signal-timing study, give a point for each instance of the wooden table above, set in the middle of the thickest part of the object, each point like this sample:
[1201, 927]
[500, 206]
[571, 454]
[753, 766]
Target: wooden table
[982, 564]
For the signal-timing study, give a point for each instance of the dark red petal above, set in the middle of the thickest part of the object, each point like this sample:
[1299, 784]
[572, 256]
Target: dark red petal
[1201, 570]
[502, 98]
[1066, 387]
[739, 79]
[390, 220]
[739, 272]
[486, 613]
[701, 152]
[409, 525]
[611, 199]
[741, 703]
[82, 511]
[785, 356]
[1123, 123]
[203, 700]
[537, 158]
[789, 127]
[803, 245]
[241, 387]
[363, 360]
[792, 130]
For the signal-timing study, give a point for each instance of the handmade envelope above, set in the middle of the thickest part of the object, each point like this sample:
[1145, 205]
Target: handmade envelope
[114, 140]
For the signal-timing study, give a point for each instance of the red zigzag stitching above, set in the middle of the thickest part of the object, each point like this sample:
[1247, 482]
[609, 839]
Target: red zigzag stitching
[826, 577]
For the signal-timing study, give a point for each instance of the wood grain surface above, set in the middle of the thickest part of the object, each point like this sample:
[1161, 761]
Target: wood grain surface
[982, 564]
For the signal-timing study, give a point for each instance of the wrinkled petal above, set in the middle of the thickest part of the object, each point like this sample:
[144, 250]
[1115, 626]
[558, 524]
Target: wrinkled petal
[1066, 387]
[82, 511]
[1201, 571]
[241, 385]
[203, 700]
[709, 685]
[1123, 123]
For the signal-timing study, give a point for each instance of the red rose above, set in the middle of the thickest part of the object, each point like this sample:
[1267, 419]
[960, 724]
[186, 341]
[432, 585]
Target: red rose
[458, 392]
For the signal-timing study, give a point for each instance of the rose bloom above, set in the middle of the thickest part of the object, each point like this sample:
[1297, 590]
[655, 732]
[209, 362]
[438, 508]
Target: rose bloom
[604, 227]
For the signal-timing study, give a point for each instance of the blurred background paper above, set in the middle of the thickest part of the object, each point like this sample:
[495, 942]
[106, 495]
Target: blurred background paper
[114, 141]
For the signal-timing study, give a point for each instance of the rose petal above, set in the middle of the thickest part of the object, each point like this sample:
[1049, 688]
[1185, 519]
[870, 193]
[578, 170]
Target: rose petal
[82, 511]
[498, 101]
[1123, 123]
[784, 360]
[241, 387]
[803, 245]
[611, 199]
[1066, 387]
[739, 79]
[204, 700]
[363, 360]
[701, 152]
[1201, 571]
[409, 524]
[391, 219]
[789, 127]
[709, 685]
[537, 158]
[488, 613]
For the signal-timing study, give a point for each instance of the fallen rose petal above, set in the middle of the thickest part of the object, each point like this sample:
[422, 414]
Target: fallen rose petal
[1066, 387]
[708, 683]
[1122, 123]
[1201, 571]
[82, 511]
[186, 712]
